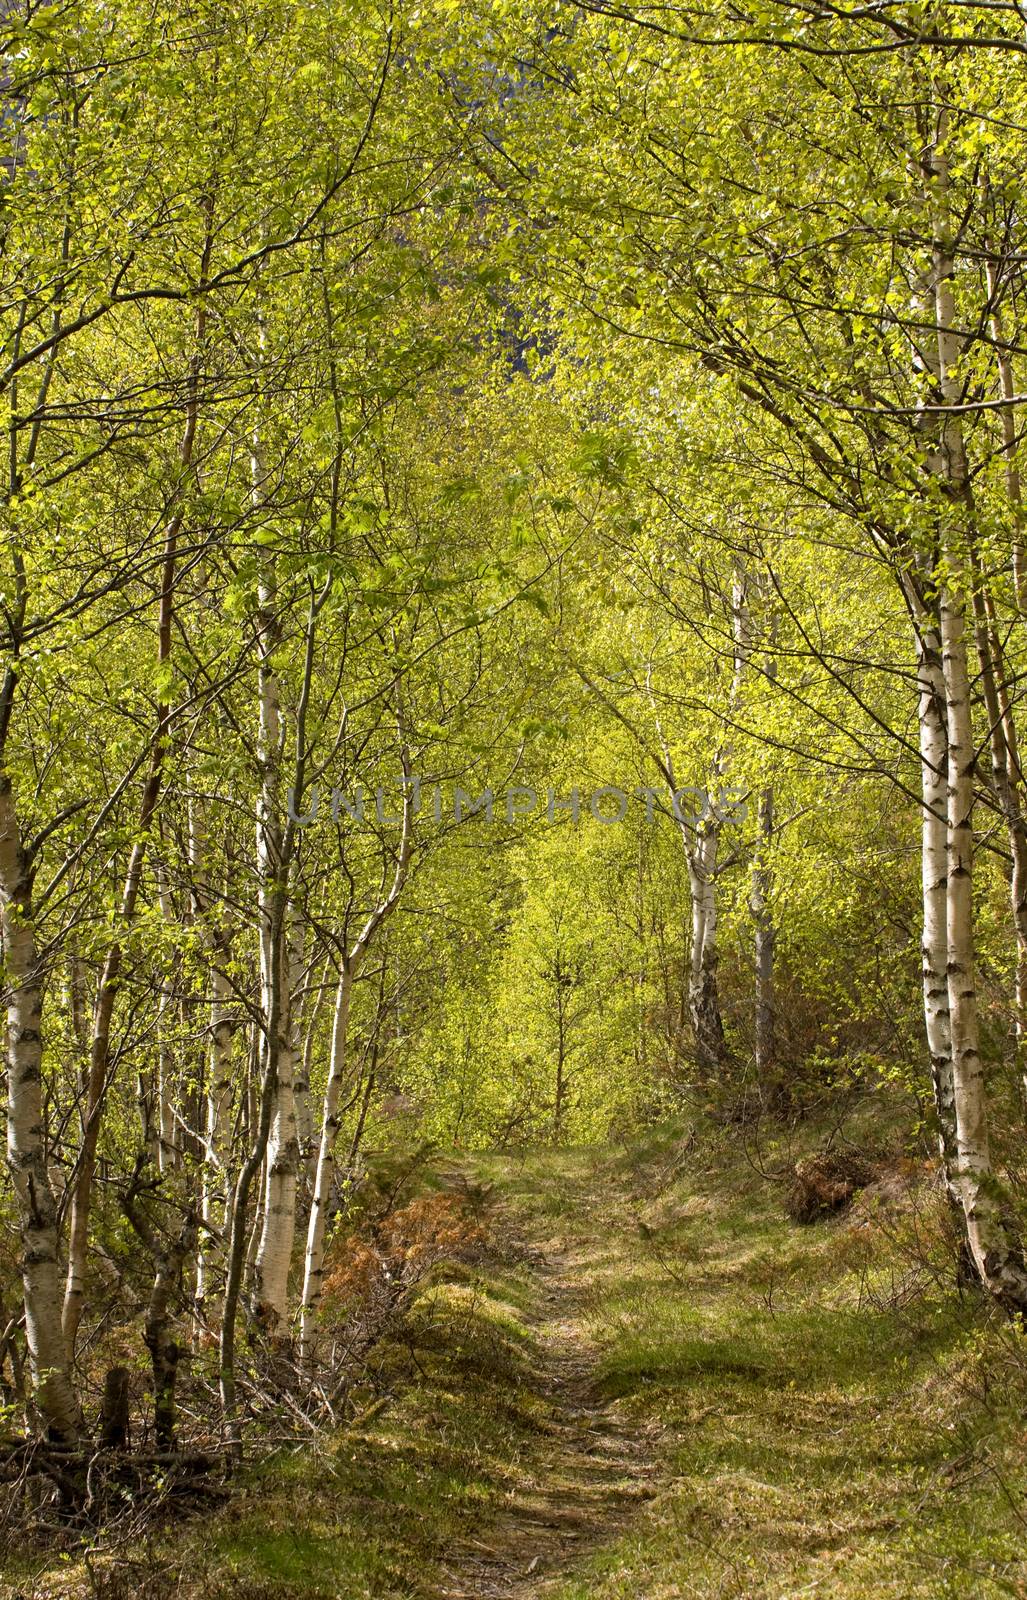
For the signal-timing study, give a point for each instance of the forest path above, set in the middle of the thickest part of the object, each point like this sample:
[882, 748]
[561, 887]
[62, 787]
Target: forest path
[646, 1383]
[594, 1466]
[734, 1407]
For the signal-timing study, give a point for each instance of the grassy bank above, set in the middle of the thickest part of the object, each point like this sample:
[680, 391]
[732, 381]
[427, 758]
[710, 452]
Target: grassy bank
[651, 1383]
[837, 1420]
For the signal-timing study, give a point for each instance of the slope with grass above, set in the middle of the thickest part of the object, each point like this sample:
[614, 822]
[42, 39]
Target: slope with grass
[653, 1384]
[837, 1420]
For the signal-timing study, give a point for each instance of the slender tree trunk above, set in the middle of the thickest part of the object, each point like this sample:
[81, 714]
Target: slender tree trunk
[276, 853]
[996, 1261]
[357, 1140]
[274, 1250]
[54, 1394]
[313, 1266]
[1006, 770]
[308, 1144]
[148, 1100]
[563, 978]
[700, 843]
[993, 1254]
[768, 1072]
[248, 1172]
[1006, 776]
[934, 878]
[702, 847]
[703, 990]
[301, 1058]
[1006, 787]
[560, 1094]
[158, 1326]
[53, 1391]
[257, 1230]
[217, 1136]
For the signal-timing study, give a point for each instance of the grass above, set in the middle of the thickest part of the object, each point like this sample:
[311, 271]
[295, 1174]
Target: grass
[381, 1511]
[821, 1413]
[817, 1443]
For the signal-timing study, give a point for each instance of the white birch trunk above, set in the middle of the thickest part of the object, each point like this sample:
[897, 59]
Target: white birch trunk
[995, 1260]
[217, 1092]
[54, 1395]
[274, 1249]
[274, 1252]
[702, 851]
[703, 994]
[934, 880]
[313, 1265]
[768, 1075]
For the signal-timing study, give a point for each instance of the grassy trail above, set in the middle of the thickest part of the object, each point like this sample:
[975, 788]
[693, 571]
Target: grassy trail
[594, 1465]
[801, 1406]
[656, 1386]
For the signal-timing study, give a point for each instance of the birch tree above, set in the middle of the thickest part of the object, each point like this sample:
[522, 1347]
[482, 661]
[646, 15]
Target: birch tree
[855, 422]
[351, 961]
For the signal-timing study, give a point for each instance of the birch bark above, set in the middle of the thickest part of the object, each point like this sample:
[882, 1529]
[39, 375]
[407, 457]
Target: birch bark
[934, 954]
[274, 912]
[274, 1250]
[995, 1260]
[218, 1097]
[352, 960]
[54, 1394]
[702, 847]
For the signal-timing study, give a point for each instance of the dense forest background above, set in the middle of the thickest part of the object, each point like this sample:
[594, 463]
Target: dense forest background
[513, 608]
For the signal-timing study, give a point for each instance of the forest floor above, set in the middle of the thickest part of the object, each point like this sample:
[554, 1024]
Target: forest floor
[652, 1384]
